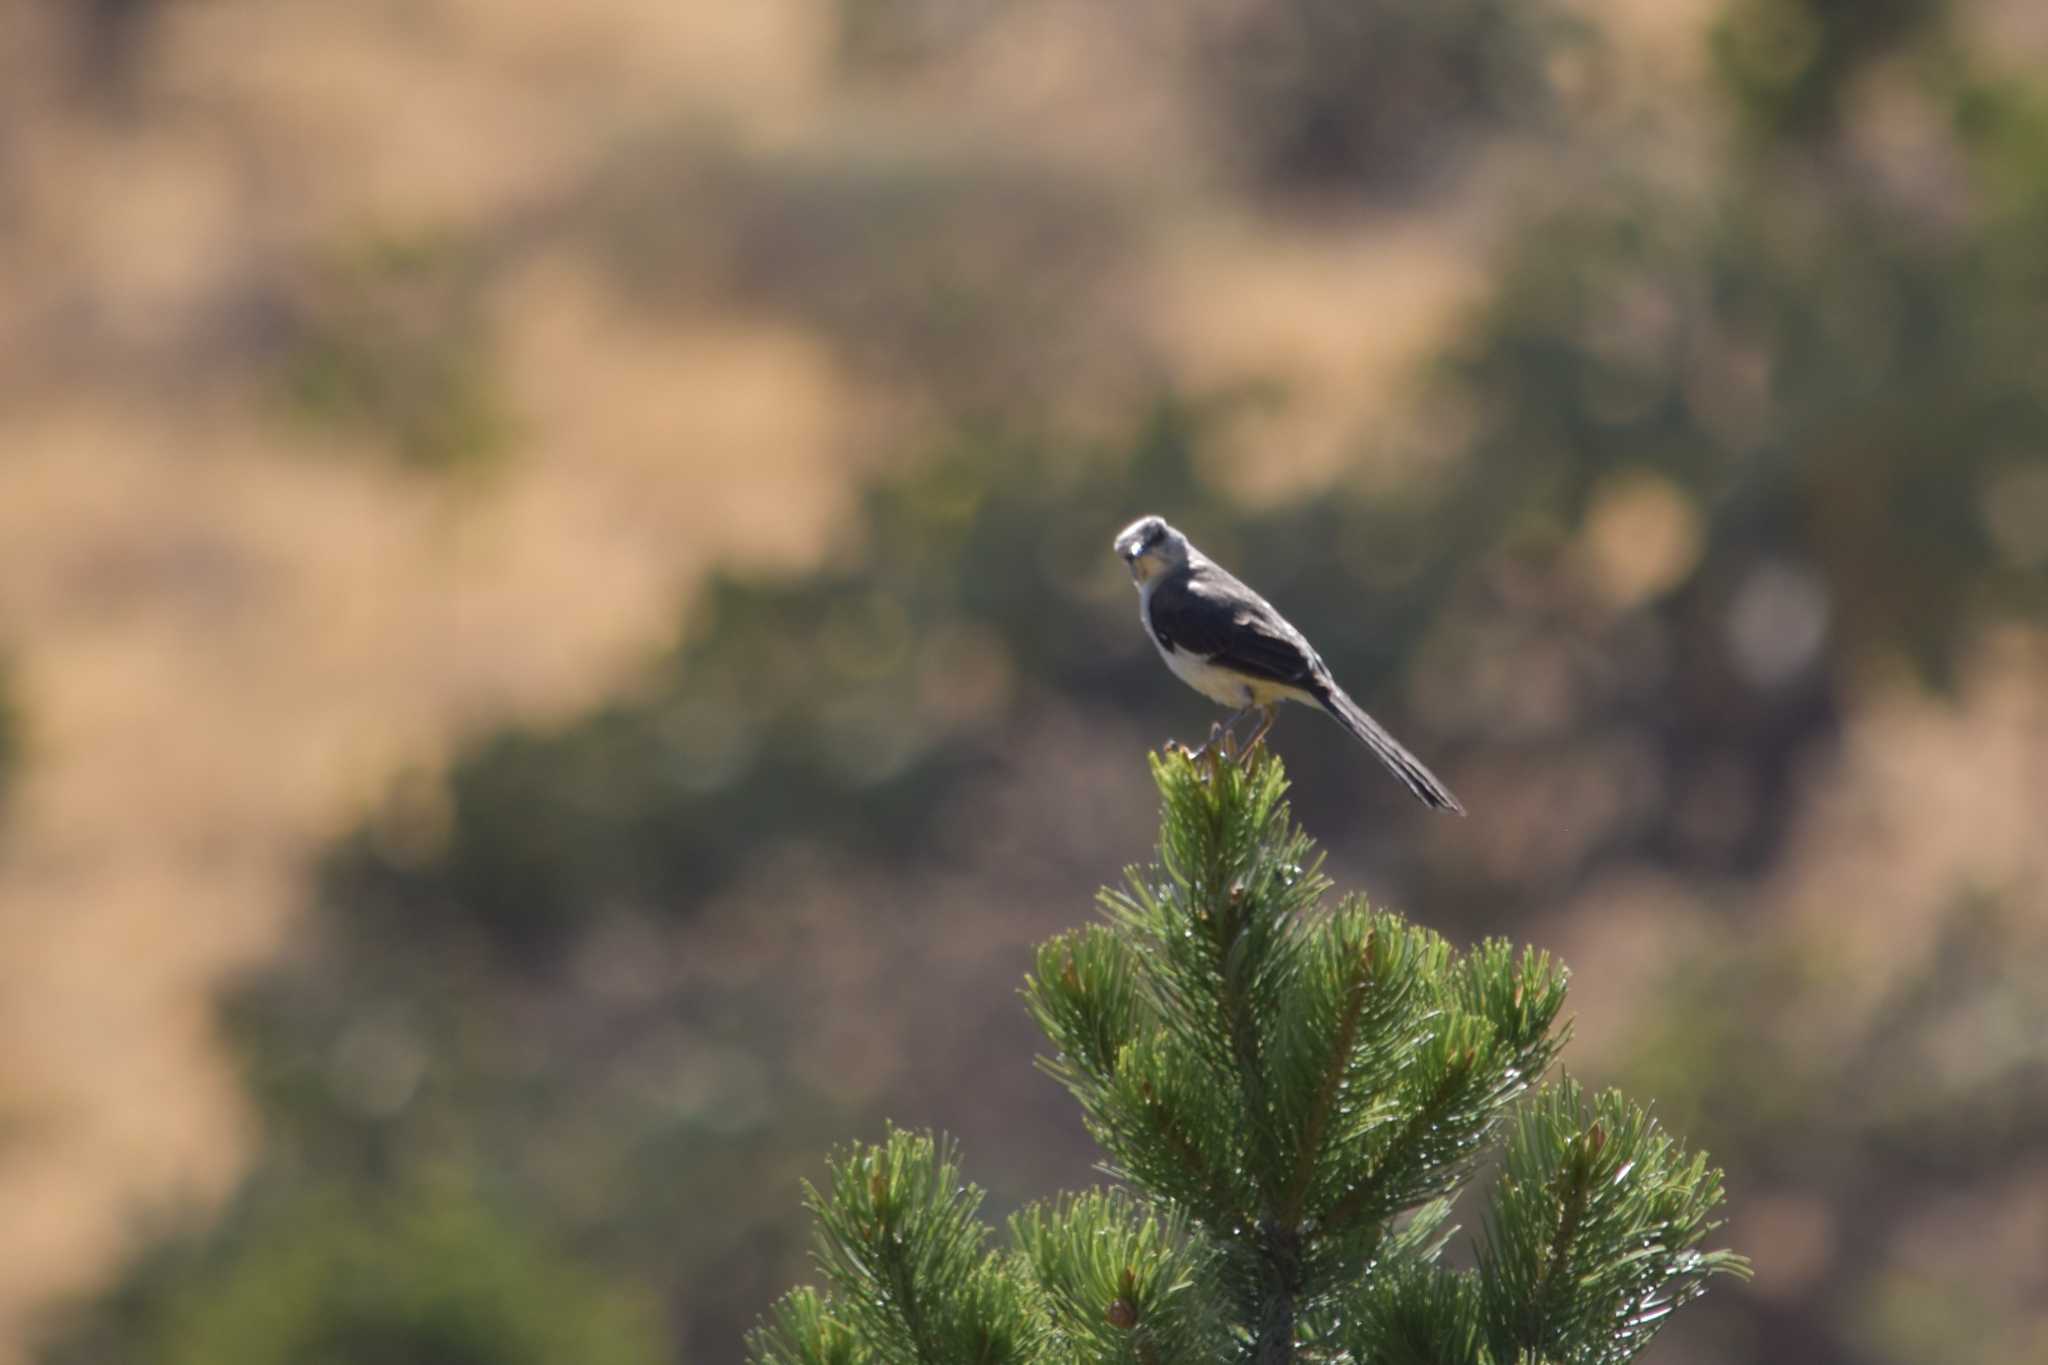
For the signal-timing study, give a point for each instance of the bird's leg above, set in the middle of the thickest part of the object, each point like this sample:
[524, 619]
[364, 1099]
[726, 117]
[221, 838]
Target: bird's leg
[1267, 715]
[1220, 729]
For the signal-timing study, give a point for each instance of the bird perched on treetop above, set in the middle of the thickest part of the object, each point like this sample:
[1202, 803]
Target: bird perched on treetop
[1225, 641]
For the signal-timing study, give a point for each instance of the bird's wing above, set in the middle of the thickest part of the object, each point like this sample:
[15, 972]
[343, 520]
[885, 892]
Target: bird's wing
[1210, 614]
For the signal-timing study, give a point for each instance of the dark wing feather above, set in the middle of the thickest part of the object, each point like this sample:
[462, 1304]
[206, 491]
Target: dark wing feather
[1427, 786]
[1208, 613]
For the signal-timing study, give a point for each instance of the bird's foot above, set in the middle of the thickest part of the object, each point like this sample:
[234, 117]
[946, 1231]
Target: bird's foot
[1220, 747]
[1267, 715]
[1216, 733]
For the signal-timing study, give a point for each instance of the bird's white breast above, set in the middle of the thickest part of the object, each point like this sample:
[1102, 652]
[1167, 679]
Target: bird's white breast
[1217, 684]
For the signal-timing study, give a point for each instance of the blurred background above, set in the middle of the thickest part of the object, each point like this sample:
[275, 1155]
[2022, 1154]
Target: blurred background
[558, 644]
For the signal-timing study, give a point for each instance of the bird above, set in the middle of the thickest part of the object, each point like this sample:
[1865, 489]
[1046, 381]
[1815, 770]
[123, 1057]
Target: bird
[1228, 643]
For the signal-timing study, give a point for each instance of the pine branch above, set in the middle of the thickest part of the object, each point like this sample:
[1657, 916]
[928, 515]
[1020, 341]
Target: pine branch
[1119, 1282]
[1249, 879]
[1215, 1202]
[1235, 1006]
[1593, 1231]
[805, 1332]
[1576, 1181]
[1357, 987]
[899, 1242]
[1084, 995]
[1417, 1314]
[1381, 1193]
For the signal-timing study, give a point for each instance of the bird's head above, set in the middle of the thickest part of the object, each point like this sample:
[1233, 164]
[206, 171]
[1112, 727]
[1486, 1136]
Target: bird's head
[1151, 547]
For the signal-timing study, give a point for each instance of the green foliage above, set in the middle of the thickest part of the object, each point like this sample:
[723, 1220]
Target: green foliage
[1117, 1280]
[1831, 375]
[1269, 1069]
[803, 1331]
[1350, 94]
[1593, 1231]
[1759, 1036]
[391, 339]
[1789, 63]
[900, 1245]
[640, 1136]
[1291, 1096]
[321, 1278]
[1593, 1234]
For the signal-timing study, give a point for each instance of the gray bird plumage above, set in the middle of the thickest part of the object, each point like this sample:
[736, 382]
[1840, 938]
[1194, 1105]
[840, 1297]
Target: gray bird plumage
[1228, 643]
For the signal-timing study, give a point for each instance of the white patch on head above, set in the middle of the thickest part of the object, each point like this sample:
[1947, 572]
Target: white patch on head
[1140, 535]
[1150, 546]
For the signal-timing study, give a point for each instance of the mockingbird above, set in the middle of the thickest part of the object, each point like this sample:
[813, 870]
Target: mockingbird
[1225, 641]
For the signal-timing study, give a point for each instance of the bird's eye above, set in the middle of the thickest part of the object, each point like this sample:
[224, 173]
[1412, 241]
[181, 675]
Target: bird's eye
[1154, 533]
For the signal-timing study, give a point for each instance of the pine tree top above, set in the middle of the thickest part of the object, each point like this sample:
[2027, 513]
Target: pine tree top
[1288, 1092]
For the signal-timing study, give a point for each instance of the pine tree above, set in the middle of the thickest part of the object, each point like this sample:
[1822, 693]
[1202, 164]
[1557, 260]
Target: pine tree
[1289, 1096]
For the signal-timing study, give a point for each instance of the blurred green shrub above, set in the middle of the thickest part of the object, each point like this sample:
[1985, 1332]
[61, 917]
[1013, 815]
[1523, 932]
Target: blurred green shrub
[1343, 95]
[322, 1276]
[389, 338]
[1876, 1162]
[1964, 1019]
[1838, 372]
[639, 1134]
[1790, 63]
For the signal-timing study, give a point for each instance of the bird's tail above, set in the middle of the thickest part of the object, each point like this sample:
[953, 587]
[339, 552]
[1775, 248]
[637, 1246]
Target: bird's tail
[1406, 766]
